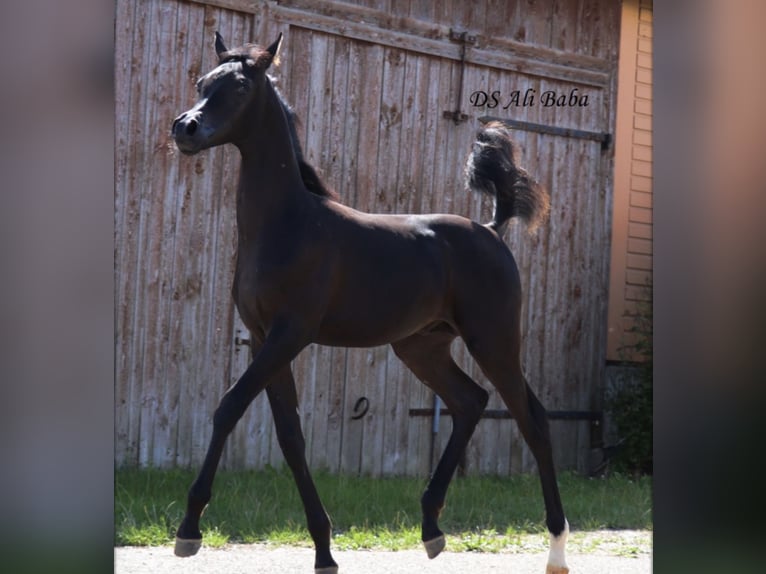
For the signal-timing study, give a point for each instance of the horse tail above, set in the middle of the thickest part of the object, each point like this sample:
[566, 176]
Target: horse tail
[492, 169]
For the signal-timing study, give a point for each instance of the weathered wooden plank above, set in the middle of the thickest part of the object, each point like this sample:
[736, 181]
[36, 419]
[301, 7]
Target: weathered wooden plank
[147, 280]
[132, 247]
[593, 384]
[390, 130]
[338, 109]
[537, 16]
[418, 432]
[178, 185]
[165, 185]
[421, 10]
[556, 306]
[320, 82]
[584, 333]
[352, 439]
[164, 397]
[373, 423]
[496, 18]
[319, 407]
[607, 45]
[564, 25]
[125, 252]
[426, 181]
[164, 177]
[123, 42]
[323, 376]
[579, 333]
[410, 160]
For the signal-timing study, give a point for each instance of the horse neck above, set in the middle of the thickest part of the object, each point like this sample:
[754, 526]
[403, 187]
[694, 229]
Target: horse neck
[269, 180]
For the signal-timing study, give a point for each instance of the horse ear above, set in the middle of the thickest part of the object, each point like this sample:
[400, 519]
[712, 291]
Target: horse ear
[220, 48]
[274, 49]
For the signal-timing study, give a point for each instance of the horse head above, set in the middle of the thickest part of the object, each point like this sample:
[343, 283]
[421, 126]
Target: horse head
[225, 95]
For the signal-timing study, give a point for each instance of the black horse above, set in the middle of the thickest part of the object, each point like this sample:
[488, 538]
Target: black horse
[310, 269]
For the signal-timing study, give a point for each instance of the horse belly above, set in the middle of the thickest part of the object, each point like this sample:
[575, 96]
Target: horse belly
[372, 334]
[372, 315]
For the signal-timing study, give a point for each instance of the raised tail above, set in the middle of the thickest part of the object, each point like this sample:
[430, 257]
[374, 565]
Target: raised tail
[492, 169]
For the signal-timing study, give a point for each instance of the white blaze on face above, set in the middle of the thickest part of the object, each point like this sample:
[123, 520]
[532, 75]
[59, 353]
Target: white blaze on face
[556, 556]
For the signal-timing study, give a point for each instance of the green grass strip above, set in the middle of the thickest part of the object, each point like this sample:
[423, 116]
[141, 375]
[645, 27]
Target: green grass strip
[487, 514]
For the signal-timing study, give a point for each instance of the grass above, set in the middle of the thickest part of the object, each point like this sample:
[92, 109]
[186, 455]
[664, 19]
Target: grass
[487, 514]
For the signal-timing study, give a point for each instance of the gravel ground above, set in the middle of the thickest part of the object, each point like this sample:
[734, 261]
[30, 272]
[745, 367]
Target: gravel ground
[262, 559]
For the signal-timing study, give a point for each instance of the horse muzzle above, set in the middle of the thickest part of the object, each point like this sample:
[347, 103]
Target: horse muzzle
[186, 132]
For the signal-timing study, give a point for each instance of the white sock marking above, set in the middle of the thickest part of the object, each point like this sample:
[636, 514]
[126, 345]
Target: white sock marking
[556, 556]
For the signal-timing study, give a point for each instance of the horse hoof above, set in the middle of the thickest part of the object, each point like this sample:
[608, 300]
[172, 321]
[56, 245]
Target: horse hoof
[186, 548]
[326, 570]
[435, 546]
[556, 569]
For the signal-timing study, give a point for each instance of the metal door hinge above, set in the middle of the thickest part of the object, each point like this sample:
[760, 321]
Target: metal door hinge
[465, 39]
[462, 36]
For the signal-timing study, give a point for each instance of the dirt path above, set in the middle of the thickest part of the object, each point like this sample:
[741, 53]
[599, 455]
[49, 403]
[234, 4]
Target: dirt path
[263, 559]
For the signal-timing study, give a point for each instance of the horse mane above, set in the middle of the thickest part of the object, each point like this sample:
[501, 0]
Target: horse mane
[310, 177]
[263, 58]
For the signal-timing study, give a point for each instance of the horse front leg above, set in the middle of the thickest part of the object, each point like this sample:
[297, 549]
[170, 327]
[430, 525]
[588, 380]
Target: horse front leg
[284, 406]
[280, 347]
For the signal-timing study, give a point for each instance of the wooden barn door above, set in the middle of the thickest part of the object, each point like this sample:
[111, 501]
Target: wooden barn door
[385, 108]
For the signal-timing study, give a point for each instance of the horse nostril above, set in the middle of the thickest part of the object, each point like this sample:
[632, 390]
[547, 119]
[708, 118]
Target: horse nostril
[191, 127]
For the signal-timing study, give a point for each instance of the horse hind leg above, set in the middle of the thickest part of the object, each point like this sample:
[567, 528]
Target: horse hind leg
[498, 358]
[428, 357]
[558, 526]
